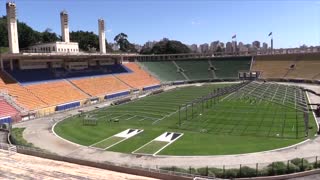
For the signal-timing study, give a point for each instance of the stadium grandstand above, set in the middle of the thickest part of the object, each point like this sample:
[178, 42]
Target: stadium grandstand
[291, 66]
[42, 89]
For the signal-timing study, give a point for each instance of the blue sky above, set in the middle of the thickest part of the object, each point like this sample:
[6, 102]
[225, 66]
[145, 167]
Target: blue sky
[293, 23]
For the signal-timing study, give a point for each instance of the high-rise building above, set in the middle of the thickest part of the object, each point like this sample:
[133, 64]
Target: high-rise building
[194, 48]
[234, 46]
[214, 45]
[264, 46]
[229, 47]
[243, 48]
[102, 36]
[221, 44]
[204, 48]
[64, 17]
[12, 28]
[256, 44]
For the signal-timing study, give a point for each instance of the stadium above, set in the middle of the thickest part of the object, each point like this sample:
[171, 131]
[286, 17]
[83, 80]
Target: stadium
[166, 116]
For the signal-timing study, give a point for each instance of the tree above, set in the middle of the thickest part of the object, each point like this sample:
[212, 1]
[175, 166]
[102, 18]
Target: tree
[166, 47]
[27, 36]
[125, 45]
[3, 32]
[48, 36]
[87, 40]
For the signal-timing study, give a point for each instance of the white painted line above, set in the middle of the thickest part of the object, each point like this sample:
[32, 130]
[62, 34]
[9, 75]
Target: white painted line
[134, 152]
[130, 118]
[115, 135]
[314, 116]
[167, 144]
[123, 140]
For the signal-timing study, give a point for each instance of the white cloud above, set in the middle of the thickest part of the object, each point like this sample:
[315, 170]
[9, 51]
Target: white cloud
[109, 30]
[195, 22]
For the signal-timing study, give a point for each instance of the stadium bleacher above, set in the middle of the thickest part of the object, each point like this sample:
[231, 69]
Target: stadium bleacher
[196, 69]
[228, 68]
[138, 78]
[288, 66]
[224, 68]
[34, 90]
[165, 70]
[102, 85]
[6, 109]
[55, 93]
[21, 95]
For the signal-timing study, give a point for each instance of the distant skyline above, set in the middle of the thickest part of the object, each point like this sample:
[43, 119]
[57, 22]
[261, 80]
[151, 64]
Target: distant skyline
[293, 23]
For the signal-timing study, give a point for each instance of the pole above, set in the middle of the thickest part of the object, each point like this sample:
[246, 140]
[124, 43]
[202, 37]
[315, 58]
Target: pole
[296, 124]
[179, 116]
[186, 112]
[192, 110]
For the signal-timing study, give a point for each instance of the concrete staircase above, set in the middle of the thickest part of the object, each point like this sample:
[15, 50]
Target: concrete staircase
[77, 88]
[212, 71]
[183, 74]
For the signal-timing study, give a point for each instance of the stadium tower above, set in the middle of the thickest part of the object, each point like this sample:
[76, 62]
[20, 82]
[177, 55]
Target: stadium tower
[12, 27]
[102, 36]
[64, 26]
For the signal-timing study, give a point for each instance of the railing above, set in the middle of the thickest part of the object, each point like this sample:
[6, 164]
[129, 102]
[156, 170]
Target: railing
[124, 168]
[297, 165]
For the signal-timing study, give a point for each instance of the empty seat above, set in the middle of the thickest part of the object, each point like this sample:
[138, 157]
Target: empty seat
[6, 109]
[21, 95]
[138, 78]
[54, 93]
[102, 85]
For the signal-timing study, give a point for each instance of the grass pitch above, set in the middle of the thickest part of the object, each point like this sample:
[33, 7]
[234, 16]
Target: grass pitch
[152, 147]
[232, 126]
[107, 142]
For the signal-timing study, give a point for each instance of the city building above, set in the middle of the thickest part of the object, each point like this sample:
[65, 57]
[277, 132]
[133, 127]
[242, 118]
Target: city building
[229, 48]
[194, 48]
[214, 45]
[204, 48]
[256, 44]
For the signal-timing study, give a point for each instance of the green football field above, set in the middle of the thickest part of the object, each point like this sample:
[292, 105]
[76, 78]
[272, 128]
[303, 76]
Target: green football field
[257, 117]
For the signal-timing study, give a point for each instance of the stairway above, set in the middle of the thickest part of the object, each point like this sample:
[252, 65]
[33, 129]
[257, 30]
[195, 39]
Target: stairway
[77, 88]
[183, 74]
[212, 70]
[123, 82]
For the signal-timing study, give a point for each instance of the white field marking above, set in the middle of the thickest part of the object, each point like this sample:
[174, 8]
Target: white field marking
[125, 138]
[165, 117]
[119, 116]
[134, 152]
[168, 115]
[143, 119]
[130, 118]
[105, 139]
[227, 96]
[52, 129]
[314, 116]
[167, 144]
[157, 139]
